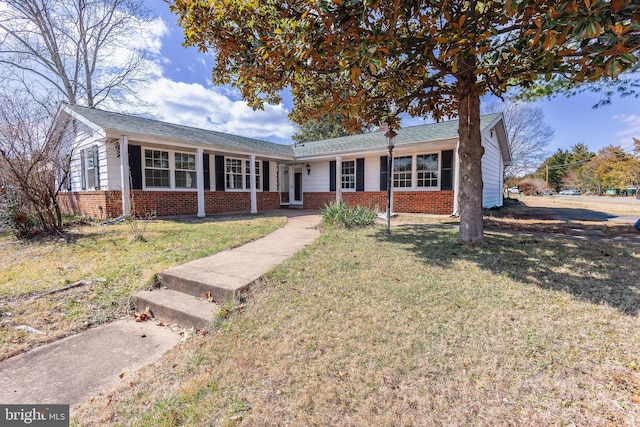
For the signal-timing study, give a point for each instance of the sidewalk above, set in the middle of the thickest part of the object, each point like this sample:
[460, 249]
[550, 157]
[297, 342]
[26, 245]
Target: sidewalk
[76, 368]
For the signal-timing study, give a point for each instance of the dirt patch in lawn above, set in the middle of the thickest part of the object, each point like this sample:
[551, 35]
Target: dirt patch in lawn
[597, 218]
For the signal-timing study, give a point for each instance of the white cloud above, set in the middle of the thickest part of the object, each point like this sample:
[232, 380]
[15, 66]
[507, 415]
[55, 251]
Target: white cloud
[192, 104]
[630, 129]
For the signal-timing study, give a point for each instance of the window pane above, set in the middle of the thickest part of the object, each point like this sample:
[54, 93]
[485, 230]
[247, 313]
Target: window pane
[156, 173]
[185, 179]
[427, 170]
[402, 172]
[349, 174]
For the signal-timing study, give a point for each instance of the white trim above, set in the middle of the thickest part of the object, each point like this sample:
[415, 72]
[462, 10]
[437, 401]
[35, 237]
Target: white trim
[124, 176]
[252, 184]
[338, 178]
[200, 182]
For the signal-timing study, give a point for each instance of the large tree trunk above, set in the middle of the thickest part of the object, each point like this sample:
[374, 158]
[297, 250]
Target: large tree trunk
[470, 151]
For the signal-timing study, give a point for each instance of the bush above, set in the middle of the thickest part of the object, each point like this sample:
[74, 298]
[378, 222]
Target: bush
[339, 213]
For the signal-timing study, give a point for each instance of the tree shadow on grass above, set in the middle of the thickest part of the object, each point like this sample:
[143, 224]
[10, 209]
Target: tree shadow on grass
[593, 272]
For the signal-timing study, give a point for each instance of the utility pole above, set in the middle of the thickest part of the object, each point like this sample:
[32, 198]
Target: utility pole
[547, 169]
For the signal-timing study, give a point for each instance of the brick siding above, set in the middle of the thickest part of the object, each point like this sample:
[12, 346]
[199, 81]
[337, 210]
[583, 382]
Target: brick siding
[433, 202]
[108, 204]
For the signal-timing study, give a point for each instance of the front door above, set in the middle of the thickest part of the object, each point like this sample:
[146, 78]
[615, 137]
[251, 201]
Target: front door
[297, 190]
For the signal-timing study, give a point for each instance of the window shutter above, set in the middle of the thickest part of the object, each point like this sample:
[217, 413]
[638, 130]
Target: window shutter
[359, 174]
[446, 169]
[332, 175]
[219, 173]
[83, 170]
[135, 166]
[206, 168]
[265, 175]
[384, 160]
[96, 167]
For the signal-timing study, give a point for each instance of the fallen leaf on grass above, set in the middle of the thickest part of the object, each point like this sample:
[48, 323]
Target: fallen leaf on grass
[636, 399]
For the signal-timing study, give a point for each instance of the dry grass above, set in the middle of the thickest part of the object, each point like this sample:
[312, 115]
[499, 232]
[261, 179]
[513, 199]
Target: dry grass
[412, 329]
[115, 266]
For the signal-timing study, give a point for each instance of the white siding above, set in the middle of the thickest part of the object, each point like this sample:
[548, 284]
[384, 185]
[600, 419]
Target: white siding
[491, 171]
[318, 180]
[372, 173]
[273, 177]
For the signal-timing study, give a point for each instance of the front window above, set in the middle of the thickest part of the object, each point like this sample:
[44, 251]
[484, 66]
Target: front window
[247, 170]
[349, 174]
[185, 170]
[427, 170]
[156, 168]
[402, 172]
[235, 174]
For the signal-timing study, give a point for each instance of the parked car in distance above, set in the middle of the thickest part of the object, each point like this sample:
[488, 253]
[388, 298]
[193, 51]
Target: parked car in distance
[513, 190]
[547, 192]
[570, 192]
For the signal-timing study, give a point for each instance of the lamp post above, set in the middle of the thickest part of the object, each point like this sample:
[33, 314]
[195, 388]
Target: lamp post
[391, 136]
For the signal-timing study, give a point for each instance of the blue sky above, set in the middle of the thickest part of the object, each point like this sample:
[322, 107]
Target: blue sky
[183, 92]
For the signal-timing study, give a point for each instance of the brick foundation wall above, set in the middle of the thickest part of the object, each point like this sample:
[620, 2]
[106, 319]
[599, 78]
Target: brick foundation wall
[108, 204]
[93, 204]
[433, 202]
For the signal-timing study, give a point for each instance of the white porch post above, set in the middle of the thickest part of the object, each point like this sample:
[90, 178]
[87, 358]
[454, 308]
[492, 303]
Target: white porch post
[124, 175]
[338, 178]
[456, 181]
[252, 185]
[200, 182]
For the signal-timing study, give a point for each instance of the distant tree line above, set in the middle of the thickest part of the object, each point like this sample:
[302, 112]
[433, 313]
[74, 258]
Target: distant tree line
[613, 169]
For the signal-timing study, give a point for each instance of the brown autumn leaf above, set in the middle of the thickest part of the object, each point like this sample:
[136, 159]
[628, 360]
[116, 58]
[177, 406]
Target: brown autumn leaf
[636, 399]
[208, 297]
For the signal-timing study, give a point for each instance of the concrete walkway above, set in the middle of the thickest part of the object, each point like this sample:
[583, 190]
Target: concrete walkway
[74, 369]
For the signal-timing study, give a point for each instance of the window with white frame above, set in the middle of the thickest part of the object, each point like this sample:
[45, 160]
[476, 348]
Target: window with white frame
[402, 177]
[156, 168]
[247, 180]
[235, 174]
[427, 170]
[90, 168]
[348, 174]
[185, 170]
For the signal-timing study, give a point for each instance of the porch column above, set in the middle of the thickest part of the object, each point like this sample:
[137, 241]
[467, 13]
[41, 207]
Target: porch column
[338, 178]
[456, 181]
[200, 182]
[252, 185]
[125, 187]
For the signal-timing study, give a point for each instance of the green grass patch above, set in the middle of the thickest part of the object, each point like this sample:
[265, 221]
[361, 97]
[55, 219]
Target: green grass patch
[362, 328]
[115, 266]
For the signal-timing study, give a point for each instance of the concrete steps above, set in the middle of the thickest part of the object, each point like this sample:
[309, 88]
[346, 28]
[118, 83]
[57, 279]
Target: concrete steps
[170, 306]
[182, 296]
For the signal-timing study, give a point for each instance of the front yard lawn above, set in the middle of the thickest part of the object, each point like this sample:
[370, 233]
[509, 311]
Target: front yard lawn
[366, 329]
[115, 266]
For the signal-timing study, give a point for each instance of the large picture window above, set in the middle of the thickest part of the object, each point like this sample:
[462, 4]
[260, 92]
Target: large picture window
[402, 172]
[427, 170]
[420, 171]
[349, 174]
[156, 168]
[185, 170]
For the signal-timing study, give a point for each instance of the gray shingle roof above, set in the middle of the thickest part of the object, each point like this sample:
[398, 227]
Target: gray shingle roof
[132, 125]
[413, 134]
